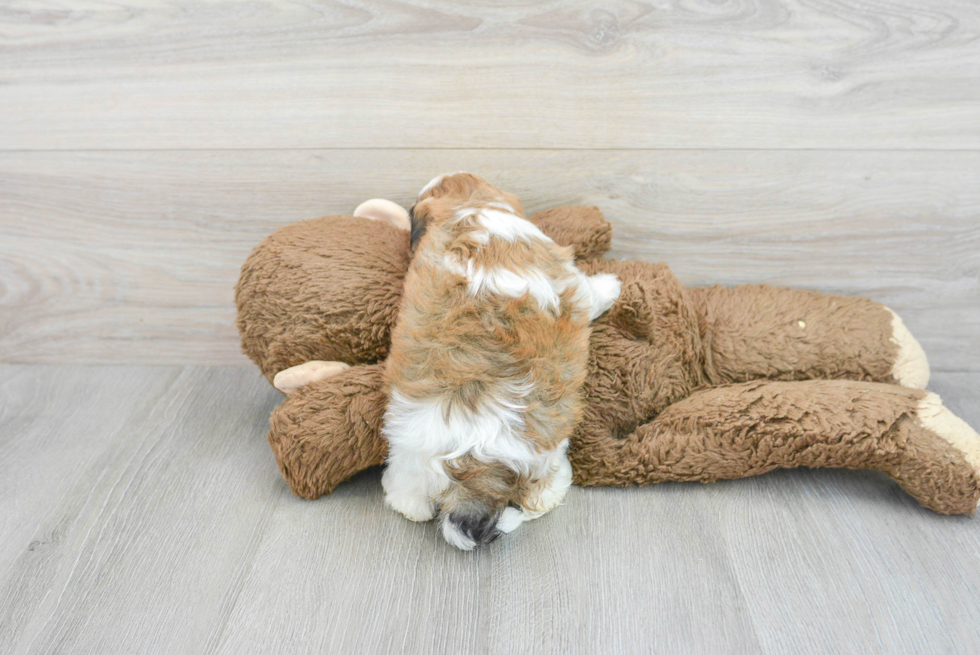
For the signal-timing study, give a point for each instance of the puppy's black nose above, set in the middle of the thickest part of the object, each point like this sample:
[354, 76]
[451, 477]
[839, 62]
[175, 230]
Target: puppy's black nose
[481, 527]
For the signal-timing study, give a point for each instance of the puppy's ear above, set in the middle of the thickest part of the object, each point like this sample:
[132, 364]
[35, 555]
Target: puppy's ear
[419, 222]
[453, 185]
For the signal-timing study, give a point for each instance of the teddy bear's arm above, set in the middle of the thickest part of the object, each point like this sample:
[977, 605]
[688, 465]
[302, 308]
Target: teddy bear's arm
[329, 430]
[755, 332]
[583, 228]
[741, 430]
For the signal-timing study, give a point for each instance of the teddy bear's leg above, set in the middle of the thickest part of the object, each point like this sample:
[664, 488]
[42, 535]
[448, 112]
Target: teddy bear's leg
[755, 332]
[584, 229]
[740, 430]
[329, 430]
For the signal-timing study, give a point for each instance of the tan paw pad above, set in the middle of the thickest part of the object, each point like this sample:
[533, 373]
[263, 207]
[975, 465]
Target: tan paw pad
[911, 367]
[296, 377]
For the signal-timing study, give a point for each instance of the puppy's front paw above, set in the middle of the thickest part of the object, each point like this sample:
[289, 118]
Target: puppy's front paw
[510, 520]
[606, 288]
[549, 492]
[412, 507]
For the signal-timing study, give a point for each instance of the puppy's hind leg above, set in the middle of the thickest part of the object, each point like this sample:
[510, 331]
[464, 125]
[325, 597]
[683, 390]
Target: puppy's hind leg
[601, 290]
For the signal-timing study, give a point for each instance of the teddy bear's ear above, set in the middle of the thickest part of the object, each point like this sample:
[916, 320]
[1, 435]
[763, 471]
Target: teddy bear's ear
[296, 377]
[379, 209]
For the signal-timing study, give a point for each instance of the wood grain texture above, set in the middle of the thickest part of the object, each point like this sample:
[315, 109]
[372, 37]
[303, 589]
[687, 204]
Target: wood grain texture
[51, 418]
[135, 534]
[893, 74]
[842, 545]
[173, 533]
[131, 257]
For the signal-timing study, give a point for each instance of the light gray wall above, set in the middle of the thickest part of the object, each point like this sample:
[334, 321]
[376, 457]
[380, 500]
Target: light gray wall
[145, 149]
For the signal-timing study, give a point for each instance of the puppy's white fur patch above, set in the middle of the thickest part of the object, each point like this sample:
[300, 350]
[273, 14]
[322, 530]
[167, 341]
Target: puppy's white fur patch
[509, 226]
[454, 536]
[508, 283]
[597, 292]
[911, 367]
[493, 433]
[422, 435]
[505, 282]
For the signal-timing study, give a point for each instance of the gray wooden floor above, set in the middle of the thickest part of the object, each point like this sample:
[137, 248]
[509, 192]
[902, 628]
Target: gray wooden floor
[147, 145]
[141, 511]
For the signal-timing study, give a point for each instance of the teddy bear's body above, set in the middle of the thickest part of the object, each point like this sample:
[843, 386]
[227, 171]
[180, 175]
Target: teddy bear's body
[684, 384]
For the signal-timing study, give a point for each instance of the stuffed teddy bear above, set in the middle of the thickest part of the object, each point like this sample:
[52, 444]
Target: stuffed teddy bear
[684, 383]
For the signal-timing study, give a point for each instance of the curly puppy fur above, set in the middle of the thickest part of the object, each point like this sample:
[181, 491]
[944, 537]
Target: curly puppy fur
[487, 363]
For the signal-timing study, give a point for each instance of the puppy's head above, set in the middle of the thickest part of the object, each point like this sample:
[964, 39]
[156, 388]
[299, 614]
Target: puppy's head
[444, 194]
[476, 497]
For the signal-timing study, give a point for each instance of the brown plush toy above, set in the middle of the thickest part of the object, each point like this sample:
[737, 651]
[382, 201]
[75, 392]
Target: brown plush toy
[684, 384]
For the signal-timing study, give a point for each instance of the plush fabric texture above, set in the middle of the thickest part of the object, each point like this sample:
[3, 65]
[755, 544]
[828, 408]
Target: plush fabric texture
[756, 331]
[585, 229]
[683, 384]
[327, 288]
[329, 430]
[739, 430]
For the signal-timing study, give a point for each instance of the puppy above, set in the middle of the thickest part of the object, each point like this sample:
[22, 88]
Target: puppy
[487, 362]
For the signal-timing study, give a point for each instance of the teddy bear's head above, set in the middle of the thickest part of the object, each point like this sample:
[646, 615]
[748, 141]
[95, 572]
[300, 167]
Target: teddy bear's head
[323, 289]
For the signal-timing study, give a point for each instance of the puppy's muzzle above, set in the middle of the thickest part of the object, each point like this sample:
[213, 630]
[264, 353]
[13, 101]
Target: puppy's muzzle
[477, 527]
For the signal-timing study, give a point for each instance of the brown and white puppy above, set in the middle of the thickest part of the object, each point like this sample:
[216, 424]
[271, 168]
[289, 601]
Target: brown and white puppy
[487, 362]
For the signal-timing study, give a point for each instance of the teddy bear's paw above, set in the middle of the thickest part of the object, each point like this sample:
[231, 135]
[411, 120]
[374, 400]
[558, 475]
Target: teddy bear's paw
[606, 288]
[296, 377]
[911, 368]
[379, 209]
[937, 418]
